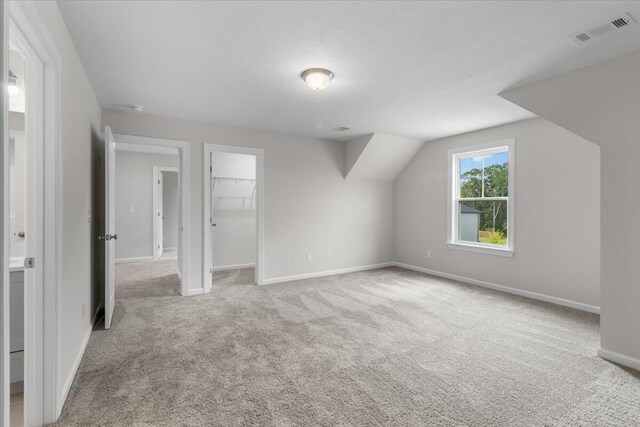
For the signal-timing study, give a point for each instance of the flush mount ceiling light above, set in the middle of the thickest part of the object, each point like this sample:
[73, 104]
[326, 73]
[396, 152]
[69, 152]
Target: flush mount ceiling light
[317, 78]
[13, 84]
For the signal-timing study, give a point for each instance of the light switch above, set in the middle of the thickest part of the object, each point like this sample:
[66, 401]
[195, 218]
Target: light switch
[132, 209]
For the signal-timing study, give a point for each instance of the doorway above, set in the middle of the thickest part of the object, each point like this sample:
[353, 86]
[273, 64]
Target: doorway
[32, 391]
[233, 215]
[143, 172]
[166, 203]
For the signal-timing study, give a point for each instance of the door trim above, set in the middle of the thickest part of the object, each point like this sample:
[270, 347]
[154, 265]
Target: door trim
[26, 23]
[206, 241]
[156, 204]
[184, 156]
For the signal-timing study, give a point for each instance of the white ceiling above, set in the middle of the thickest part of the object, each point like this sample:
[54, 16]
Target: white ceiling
[419, 70]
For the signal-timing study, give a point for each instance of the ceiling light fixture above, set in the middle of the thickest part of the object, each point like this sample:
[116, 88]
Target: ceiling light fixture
[317, 78]
[13, 84]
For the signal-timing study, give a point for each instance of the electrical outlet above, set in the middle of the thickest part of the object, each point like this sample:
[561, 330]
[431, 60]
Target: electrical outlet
[329, 255]
[309, 257]
[132, 209]
[428, 254]
[83, 310]
[89, 216]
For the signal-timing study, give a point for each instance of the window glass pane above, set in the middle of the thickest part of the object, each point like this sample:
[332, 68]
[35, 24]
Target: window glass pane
[483, 222]
[485, 175]
[470, 177]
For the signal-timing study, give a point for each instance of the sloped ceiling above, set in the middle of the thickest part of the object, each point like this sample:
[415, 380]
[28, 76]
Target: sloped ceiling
[592, 102]
[378, 156]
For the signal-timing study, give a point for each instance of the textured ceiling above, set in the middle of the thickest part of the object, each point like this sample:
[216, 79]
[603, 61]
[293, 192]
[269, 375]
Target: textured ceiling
[420, 70]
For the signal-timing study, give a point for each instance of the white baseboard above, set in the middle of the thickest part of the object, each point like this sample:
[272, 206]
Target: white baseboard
[326, 273]
[192, 292]
[137, 259]
[175, 248]
[179, 275]
[233, 267]
[74, 369]
[534, 295]
[619, 358]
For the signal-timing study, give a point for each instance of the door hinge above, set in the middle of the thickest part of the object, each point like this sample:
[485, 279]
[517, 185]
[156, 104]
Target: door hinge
[29, 262]
[210, 168]
[158, 181]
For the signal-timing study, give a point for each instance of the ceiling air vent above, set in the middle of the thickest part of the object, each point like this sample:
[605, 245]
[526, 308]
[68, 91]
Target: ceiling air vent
[582, 37]
[341, 129]
[603, 28]
[620, 22]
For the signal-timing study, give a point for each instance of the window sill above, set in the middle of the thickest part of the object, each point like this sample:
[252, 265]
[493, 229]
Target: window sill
[481, 249]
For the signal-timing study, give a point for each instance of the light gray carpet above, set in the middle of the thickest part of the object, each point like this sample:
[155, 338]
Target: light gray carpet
[383, 347]
[243, 276]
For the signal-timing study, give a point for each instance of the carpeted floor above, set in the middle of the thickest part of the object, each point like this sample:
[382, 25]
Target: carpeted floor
[242, 276]
[382, 347]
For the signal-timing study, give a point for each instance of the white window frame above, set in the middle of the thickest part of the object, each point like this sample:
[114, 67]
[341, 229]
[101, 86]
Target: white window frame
[453, 192]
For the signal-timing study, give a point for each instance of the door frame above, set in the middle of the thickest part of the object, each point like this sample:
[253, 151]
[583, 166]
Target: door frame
[157, 170]
[42, 303]
[150, 144]
[206, 217]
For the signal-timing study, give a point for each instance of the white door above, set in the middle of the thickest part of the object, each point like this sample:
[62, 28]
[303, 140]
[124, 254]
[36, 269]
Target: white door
[160, 213]
[110, 235]
[212, 220]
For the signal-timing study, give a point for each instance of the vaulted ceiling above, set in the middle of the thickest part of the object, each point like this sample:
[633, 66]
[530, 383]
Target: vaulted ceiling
[419, 70]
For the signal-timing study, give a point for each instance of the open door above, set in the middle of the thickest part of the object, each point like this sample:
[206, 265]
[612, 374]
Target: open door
[110, 235]
[160, 213]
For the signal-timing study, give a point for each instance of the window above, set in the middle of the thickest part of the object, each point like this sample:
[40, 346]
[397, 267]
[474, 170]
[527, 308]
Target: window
[481, 208]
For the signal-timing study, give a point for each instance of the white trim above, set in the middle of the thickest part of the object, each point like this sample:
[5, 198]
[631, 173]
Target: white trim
[233, 267]
[481, 248]
[179, 275]
[327, 273]
[619, 358]
[155, 190]
[26, 22]
[150, 149]
[135, 259]
[206, 209]
[76, 364]
[520, 292]
[173, 248]
[184, 149]
[192, 292]
[453, 177]
[5, 358]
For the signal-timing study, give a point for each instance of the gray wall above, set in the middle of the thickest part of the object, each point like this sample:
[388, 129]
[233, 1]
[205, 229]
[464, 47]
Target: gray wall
[134, 188]
[79, 133]
[171, 202]
[309, 207]
[557, 223]
[602, 104]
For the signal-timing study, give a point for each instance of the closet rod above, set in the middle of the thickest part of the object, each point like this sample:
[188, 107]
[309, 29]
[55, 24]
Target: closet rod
[225, 178]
